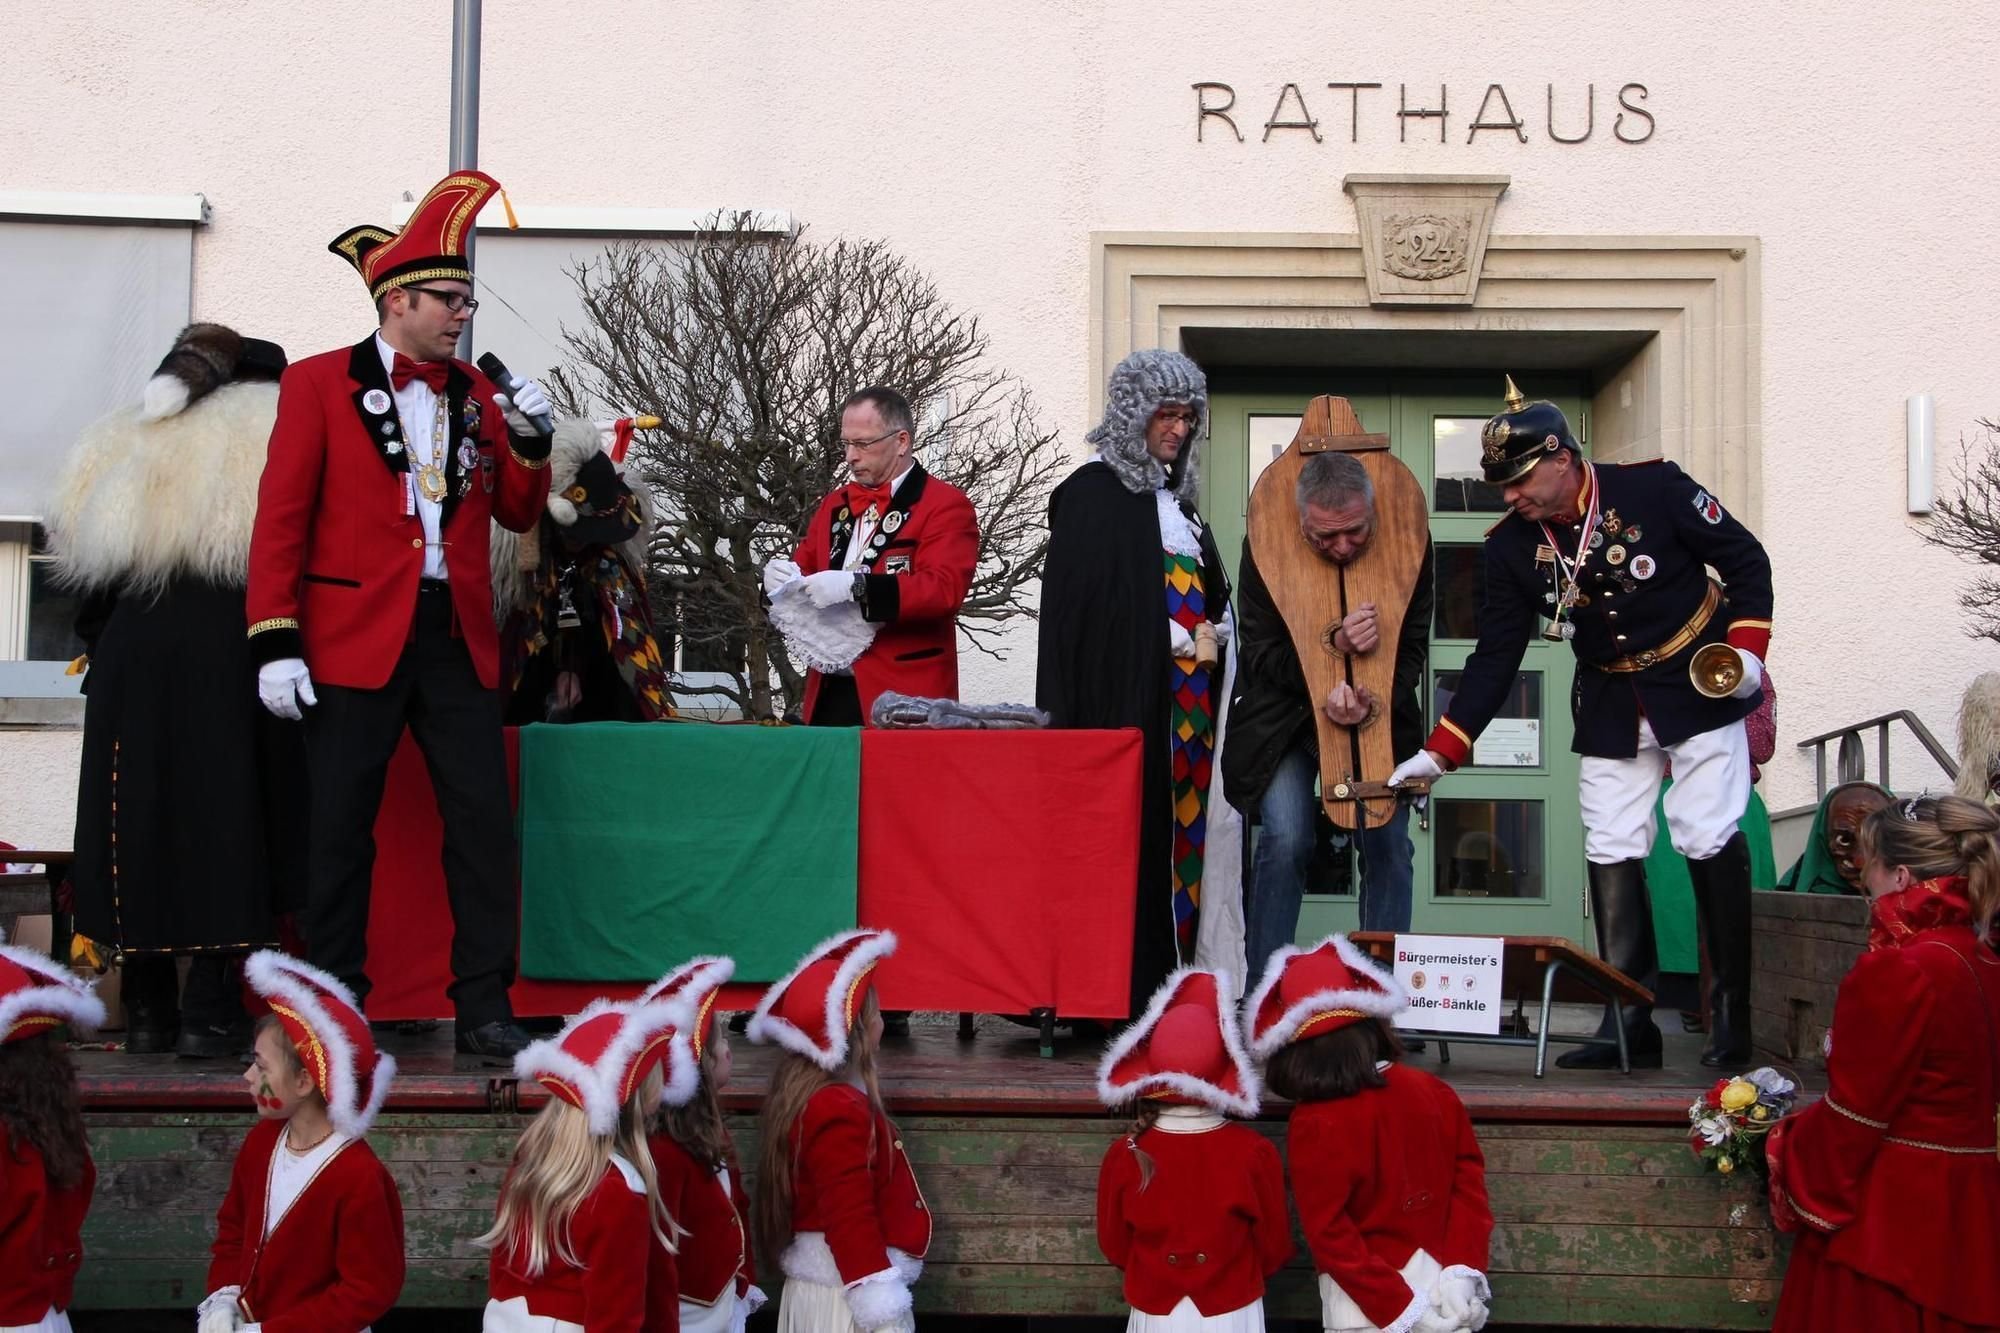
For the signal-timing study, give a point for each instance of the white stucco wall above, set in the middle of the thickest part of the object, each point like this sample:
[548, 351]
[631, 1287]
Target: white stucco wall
[988, 142]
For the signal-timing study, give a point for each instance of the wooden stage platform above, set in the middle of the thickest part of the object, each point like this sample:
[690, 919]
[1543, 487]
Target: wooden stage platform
[1603, 1217]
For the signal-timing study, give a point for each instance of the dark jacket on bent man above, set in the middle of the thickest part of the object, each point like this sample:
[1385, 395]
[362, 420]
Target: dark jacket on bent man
[1272, 709]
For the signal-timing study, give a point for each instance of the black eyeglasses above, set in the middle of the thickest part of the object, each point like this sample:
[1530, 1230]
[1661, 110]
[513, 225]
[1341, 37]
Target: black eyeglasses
[453, 301]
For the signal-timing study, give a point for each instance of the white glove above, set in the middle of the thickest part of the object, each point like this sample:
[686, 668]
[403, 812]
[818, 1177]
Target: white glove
[1753, 676]
[755, 1299]
[526, 401]
[1225, 628]
[830, 587]
[1179, 640]
[1421, 765]
[1434, 1320]
[217, 1313]
[777, 574]
[1461, 1294]
[285, 684]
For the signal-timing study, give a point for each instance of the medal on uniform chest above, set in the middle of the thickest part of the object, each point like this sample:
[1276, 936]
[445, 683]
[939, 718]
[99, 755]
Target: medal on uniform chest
[430, 476]
[1615, 556]
[1569, 572]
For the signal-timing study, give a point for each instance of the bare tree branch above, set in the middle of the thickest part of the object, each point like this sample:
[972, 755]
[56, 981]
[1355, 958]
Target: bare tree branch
[1967, 523]
[745, 345]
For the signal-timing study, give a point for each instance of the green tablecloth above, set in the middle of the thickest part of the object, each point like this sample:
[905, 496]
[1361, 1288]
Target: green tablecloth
[628, 833]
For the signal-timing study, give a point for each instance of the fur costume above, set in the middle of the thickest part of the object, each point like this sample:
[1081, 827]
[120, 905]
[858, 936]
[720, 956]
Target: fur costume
[576, 440]
[153, 492]
[1979, 738]
[1143, 383]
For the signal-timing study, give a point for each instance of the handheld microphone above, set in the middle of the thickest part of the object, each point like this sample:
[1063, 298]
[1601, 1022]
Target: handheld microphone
[496, 370]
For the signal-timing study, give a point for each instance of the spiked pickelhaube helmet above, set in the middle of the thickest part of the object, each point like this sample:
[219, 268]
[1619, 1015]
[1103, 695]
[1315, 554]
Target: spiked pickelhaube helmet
[1521, 437]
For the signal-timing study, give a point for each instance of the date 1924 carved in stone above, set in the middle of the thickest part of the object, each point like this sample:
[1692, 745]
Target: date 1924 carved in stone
[1425, 247]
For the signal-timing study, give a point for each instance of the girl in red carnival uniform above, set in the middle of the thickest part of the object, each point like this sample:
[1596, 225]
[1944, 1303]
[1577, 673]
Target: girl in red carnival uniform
[581, 1206]
[1891, 1182]
[1190, 1205]
[1388, 1178]
[709, 1286]
[836, 1200]
[46, 1175]
[310, 1236]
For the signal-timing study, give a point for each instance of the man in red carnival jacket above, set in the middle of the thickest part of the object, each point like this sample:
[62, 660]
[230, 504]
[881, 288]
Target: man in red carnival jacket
[899, 543]
[370, 600]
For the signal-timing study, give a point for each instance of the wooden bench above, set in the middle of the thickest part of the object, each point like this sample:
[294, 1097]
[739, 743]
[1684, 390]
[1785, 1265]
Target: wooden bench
[1562, 971]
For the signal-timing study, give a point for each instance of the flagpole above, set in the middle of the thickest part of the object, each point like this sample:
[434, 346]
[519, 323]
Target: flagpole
[465, 120]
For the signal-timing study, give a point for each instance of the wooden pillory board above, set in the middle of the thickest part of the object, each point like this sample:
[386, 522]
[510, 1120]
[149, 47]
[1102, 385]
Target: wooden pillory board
[1313, 594]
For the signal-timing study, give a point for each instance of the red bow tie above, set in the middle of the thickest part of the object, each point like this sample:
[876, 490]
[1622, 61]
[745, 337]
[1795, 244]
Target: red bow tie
[859, 497]
[430, 372]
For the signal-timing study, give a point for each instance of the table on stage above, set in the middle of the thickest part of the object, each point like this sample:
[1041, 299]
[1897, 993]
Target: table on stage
[1005, 861]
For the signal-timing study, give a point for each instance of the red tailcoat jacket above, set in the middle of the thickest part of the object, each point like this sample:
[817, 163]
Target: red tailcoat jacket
[1894, 1174]
[334, 560]
[610, 1234]
[863, 1201]
[919, 564]
[41, 1234]
[333, 1263]
[1381, 1175]
[1211, 1224]
[716, 1251]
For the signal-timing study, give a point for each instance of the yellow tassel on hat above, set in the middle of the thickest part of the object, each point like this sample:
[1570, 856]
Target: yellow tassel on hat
[507, 206]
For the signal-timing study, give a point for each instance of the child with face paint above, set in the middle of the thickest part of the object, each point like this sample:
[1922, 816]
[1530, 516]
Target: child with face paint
[310, 1236]
[46, 1175]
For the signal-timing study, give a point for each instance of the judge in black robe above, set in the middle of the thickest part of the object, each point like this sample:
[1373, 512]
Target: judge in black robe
[1104, 659]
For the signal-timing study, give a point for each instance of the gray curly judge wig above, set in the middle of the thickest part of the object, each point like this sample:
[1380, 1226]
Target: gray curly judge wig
[1143, 383]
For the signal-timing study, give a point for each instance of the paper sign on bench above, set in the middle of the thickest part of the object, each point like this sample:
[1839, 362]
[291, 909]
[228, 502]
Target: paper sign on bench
[1453, 981]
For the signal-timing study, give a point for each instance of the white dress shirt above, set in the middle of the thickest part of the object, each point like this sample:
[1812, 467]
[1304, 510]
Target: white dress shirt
[416, 405]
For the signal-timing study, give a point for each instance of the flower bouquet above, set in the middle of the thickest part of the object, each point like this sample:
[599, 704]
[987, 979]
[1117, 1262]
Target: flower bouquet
[1729, 1121]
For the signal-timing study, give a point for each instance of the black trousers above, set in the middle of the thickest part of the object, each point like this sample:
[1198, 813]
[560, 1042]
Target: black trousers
[351, 735]
[838, 704]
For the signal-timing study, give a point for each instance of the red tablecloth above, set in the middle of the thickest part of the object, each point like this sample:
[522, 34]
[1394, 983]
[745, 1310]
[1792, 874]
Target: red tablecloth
[1004, 861]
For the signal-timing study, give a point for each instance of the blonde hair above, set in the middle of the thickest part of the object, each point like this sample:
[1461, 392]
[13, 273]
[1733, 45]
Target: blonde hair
[1941, 835]
[792, 1086]
[558, 1164]
[697, 1124]
[1145, 1115]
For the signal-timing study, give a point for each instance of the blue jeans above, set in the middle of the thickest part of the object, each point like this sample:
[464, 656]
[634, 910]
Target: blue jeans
[1288, 825]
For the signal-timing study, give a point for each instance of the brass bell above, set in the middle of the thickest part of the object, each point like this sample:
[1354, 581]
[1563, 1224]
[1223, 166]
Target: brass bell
[1716, 670]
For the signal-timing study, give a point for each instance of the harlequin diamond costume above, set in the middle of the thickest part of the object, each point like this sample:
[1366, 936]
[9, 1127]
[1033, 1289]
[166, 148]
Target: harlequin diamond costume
[1620, 570]
[1192, 1207]
[190, 804]
[311, 1240]
[41, 1220]
[571, 595]
[370, 597]
[595, 1064]
[709, 1287]
[860, 1227]
[1132, 574]
[1390, 1184]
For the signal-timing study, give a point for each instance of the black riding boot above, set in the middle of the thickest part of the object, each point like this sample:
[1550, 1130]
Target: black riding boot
[1722, 898]
[149, 986]
[1624, 916]
[214, 1025]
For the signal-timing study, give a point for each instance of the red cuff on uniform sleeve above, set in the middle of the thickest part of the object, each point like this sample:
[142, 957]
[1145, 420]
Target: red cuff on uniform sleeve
[1751, 636]
[1449, 744]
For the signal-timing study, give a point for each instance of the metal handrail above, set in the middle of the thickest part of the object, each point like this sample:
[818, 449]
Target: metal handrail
[1850, 761]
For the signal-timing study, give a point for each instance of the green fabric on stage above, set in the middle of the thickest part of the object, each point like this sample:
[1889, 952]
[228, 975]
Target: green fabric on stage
[1672, 891]
[646, 843]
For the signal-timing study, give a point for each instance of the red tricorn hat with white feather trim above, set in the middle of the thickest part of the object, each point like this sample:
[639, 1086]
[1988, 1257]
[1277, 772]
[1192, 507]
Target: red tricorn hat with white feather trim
[1306, 992]
[810, 1012]
[37, 994]
[324, 1023]
[1186, 1050]
[694, 984]
[602, 1055]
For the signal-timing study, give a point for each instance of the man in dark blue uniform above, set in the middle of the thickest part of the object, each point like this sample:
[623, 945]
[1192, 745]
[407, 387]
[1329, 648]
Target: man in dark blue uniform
[1616, 560]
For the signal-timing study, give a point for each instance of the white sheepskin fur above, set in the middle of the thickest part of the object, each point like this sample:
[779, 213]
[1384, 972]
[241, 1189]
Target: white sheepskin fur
[874, 946]
[1978, 736]
[1114, 1094]
[1390, 1001]
[598, 1083]
[307, 991]
[61, 994]
[139, 502]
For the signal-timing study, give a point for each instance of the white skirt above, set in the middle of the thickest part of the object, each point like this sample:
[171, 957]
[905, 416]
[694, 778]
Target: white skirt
[814, 1307]
[55, 1321]
[1185, 1318]
[725, 1316]
[512, 1316]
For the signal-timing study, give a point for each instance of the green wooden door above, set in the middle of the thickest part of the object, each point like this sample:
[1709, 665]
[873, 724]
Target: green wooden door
[1500, 848]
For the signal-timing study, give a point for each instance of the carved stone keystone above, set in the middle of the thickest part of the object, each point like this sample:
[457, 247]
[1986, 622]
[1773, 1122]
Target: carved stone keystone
[1423, 238]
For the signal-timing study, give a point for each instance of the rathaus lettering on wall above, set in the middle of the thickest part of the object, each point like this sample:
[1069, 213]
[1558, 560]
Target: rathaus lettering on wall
[1567, 117]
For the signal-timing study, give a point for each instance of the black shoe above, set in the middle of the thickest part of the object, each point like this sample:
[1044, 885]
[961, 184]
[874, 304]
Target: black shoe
[1604, 1054]
[1413, 1045]
[1623, 915]
[896, 1023]
[497, 1042]
[151, 988]
[1722, 901]
[215, 1041]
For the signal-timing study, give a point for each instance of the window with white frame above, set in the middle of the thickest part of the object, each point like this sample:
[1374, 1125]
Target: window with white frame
[97, 287]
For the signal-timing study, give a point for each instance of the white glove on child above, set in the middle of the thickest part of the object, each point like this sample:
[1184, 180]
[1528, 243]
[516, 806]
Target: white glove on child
[1420, 766]
[283, 685]
[1461, 1294]
[777, 574]
[218, 1313]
